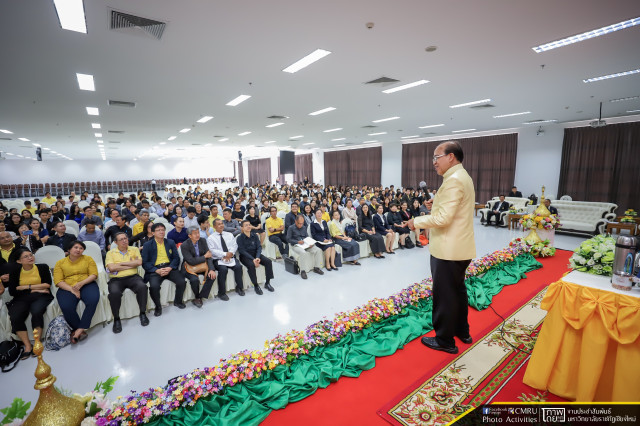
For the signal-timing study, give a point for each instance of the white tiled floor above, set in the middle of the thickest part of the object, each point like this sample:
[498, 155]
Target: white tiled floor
[182, 340]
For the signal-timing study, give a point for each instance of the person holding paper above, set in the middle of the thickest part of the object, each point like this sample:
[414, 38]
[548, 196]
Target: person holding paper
[320, 233]
[309, 256]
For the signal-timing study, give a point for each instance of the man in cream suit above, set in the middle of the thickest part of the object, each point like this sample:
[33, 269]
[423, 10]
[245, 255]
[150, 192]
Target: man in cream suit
[452, 247]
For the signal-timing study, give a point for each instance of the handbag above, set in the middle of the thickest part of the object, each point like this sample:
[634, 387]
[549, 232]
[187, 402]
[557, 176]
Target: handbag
[200, 268]
[338, 260]
[291, 265]
[58, 334]
[361, 237]
[10, 353]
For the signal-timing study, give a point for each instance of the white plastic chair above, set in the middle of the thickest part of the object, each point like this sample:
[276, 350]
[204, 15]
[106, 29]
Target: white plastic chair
[281, 214]
[153, 216]
[82, 204]
[161, 220]
[72, 224]
[49, 255]
[566, 198]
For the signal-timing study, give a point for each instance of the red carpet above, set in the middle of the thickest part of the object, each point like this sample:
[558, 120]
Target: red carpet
[354, 401]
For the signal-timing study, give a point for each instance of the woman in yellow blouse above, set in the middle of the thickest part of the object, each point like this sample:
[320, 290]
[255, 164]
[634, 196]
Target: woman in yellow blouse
[350, 248]
[75, 277]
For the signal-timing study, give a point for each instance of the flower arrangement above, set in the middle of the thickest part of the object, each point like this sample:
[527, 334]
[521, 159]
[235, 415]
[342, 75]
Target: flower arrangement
[627, 219]
[536, 221]
[594, 256]
[539, 249]
[631, 212]
[186, 390]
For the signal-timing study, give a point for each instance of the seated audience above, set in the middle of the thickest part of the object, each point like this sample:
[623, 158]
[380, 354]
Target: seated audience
[179, 233]
[119, 226]
[281, 205]
[122, 264]
[161, 261]
[195, 251]
[110, 221]
[143, 217]
[250, 250]
[16, 220]
[549, 207]
[310, 258]
[191, 219]
[27, 239]
[514, 192]
[205, 227]
[60, 237]
[29, 284]
[383, 228]
[350, 248]
[223, 247]
[290, 217]
[48, 199]
[75, 276]
[307, 214]
[177, 212]
[498, 207]
[26, 215]
[366, 226]
[36, 226]
[275, 231]
[349, 212]
[91, 232]
[256, 223]
[58, 211]
[75, 214]
[398, 225]
[320, 233]
[238, 211]
[89, 214]
[406, 214]
[230, 225]
[29, 207]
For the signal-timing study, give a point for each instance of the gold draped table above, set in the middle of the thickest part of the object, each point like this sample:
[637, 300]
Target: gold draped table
[588, 348]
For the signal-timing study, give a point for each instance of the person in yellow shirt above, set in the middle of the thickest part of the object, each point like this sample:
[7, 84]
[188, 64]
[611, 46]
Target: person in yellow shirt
[214, 215]
[281, 204]
[452, 246]
[48, 199]
[143, 218]
[75, 277]
[275, 231]
[28, 206]
[122, 264]
[325, 214]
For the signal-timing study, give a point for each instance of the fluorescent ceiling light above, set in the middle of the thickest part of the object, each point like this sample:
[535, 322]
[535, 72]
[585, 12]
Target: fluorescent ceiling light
[587, 35]
[24, 139]
[270, 142]
[369, 141]
[36, 144]
[204, 119]
[224, 139]
[297, 137]
[540, 121]
[338, 139]
[99, 141]
[163, 143]
[309, 143]
[634, 110]
[630, 98]
[47, 149]
[385, 119]
[606, 77]
[207, 144]
[376, 134]
[171, 138]
[93, 111]
[332, 130]
[339, 145]
[464, 130]
[322, 111]
[314, 56]
[85, 82]
[244, 133]
[185, 130]
[96, 125]
[238, 100]
[6, 131]
[410, 137]
[431, 126]
[406, 86]
[71, 15]
[98, 135]
[512, 115]
[483, 101]
[274, 125]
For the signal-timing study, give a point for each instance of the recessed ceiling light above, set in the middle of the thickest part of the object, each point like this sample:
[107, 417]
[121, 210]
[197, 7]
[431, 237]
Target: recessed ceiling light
[410, 137]
[463, 130]
[512, 115]
[96, 125]
[338, 139]
[314, 56]
[171, 138]
[369, 141]
[238, 100]
[274, 125]
[93, 111]
[163, 143]
[99, 141]
[185, 130]
[205, 119]
[207, 144]
[430, 126]
[606, 77]
[6, 131]
[270, 142]
[98, 135]
[385, 119]
[224, 139]
[630, 98]
[406, 86]
[634, 110]
[297, 137]
[71, 15]
[309, 143]
[587, 35]
[340, 144]
[36, 144]
[85, 82]
[244, 133]
[47, 149]
[24, 139]
[376, 134]
[332, 130]
[322, 111]
[483, 101]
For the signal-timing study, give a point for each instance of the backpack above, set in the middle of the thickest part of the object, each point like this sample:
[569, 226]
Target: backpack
[10, 353]
[58, 334]
[350, 231]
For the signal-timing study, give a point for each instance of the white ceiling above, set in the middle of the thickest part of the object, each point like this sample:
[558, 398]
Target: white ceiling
[213, 51]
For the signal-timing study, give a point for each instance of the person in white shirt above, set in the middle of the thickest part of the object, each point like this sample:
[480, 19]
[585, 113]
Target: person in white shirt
[205, 227]
[191, 219]
[223, 247]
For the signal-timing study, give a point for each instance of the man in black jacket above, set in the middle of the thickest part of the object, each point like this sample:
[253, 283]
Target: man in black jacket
[549, 207]
[60, 237]
[251, 256]
[195, 251]
[499, 207]
[515, 193]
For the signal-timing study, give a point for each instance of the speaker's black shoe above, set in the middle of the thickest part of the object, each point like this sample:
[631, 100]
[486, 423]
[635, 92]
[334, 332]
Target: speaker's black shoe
[432, 343]
[466, 340]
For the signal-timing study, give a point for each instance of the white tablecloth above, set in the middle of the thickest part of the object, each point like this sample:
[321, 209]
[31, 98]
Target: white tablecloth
[599, 282]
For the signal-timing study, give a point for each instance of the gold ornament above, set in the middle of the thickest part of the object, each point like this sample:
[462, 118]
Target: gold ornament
[52, 408]
[542, 210]
[533, 237]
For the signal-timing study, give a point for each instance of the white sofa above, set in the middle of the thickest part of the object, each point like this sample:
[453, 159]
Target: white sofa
[579, 217]
[518, 203]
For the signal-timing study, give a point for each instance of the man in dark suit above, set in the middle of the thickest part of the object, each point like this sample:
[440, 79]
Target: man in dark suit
[551, 209]
[498, 207]
[515, 193]
[195, 251]
[251, 256]
[60, 237]
[161, 261]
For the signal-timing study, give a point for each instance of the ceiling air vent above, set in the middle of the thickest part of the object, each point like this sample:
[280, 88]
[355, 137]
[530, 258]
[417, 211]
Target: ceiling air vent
[126, 23]
[370, 126]
[383, 81]
[278, 117]
[482, 106]
[430, 133]
[196, 144]
[115, 131]
[114, 141]
[218, 136]
[5, 139]
[122, 103]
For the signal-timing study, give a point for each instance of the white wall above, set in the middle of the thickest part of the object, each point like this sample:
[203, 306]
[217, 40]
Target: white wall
[26, 171]
[391, 164]
[538, 161]
[317, 158]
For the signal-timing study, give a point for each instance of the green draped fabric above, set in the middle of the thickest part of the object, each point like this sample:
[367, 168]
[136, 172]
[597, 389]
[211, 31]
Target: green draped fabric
[250, 402]
[482, 288]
